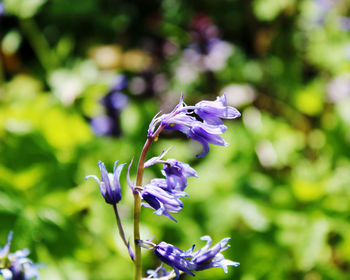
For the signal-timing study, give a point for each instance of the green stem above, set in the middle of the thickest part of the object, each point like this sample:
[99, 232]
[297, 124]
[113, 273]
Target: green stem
[40, 46]
[137, 202]
[120, 227]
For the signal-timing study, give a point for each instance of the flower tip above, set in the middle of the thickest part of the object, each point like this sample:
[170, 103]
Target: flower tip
[10, 236]
[115, 165]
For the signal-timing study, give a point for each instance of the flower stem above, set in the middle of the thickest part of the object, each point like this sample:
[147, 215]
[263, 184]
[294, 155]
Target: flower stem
[137, 202]
[39, 44]
[120, 227]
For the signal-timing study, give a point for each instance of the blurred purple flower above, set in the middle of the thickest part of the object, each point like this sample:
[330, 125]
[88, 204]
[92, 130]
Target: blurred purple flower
[102, 125]
[120, 82]
[17, 266]
[2, 9]
[109, 184]
[118, 100]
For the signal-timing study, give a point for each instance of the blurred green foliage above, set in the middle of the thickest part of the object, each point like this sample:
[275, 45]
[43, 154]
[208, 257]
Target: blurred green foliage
[281, 190]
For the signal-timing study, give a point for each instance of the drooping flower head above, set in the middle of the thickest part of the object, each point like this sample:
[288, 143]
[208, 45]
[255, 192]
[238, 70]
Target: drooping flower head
[188, 261]
[109, 184]
[176, 172]
[173, 257]
[207, 130]
[206, 258]
[16, 266]
[212, 112]
[158, 198]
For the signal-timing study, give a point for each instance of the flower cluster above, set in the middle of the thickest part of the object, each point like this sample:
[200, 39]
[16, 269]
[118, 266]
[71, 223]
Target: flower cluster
[207, 130]
[203, 123]
[16, 266]
[163, 195]
[188, 260]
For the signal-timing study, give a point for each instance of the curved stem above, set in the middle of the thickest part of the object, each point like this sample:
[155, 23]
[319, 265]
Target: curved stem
[137, 202]
[120, 227]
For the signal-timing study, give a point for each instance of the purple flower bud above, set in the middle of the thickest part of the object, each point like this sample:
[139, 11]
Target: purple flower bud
[109, 184]
[176, 173]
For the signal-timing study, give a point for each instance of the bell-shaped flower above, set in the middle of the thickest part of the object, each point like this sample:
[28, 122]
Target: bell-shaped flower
[211, 257]
[212, 112]
[159, 199]
[176, 173]
[109, 184]
[188, 261]
[205, 128]
[199, 131]
[173, 257]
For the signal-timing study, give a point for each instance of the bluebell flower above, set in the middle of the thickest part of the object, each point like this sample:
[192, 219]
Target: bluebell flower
[16, 266]
[176, 173]
[109, 184]
[158, 198]
[199, 131]
[207, 130]
[173, 257]
[206, 258]
[188, 261]
[212, 112]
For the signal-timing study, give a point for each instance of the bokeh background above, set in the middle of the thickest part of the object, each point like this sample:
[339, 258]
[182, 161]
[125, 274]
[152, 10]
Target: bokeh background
[80, 81]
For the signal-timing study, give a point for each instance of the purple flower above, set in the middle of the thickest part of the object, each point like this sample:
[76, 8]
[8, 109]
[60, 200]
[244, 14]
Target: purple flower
[188, 260]
[102, 125]
[158, 198]
[212, 112]
[176, 173]
[109, 184]
[206, 131]
[206, 258]
[199, 131]
[119, 82]
[173, 257]
[17, 266]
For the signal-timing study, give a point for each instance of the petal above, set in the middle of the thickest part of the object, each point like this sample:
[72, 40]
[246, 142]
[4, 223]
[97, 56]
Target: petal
[104, 175]
[128, 180]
